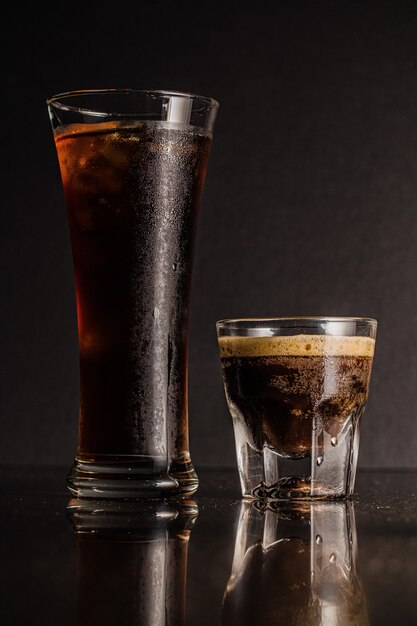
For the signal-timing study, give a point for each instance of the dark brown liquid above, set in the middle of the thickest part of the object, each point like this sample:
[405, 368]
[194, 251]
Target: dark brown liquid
[132, 196]
[278, 399]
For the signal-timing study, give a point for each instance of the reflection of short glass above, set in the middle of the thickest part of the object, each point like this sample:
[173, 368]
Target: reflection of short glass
[296, 389]
[131, 561]
[295, 565]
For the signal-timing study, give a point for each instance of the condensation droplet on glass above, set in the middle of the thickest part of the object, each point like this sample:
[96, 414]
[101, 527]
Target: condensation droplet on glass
[333, 441]
[319, 460]
[319, 540]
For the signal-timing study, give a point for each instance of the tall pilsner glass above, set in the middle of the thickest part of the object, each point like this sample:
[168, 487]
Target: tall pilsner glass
[133, 165]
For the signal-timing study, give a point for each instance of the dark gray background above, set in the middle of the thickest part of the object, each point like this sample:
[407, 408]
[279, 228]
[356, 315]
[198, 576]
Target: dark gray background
[310, 204]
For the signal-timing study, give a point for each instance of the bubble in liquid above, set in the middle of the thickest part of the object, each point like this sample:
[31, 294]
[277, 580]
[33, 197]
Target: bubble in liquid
[319, 460]
[319, 539]
[332, 558]
[333, 441]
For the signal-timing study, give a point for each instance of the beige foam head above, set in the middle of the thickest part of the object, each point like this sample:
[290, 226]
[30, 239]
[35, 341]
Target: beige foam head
[296, 345]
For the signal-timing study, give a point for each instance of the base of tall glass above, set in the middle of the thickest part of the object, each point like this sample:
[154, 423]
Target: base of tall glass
[130, 477]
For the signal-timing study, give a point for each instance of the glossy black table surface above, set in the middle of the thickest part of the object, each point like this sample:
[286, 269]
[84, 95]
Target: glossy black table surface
[208, 562]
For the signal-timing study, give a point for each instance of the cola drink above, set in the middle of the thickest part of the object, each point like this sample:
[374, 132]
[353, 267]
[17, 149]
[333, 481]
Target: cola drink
[280, 387]
[296, 389]
[133, 183]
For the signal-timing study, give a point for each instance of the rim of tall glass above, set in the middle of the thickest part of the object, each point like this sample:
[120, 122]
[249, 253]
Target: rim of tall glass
[210, 103]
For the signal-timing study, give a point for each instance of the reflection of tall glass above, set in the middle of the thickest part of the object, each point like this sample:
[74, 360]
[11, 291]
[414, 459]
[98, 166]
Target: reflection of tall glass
[132, 562]
[295, 565]
[133, 165]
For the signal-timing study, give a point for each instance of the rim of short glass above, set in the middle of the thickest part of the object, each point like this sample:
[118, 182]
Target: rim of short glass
[240, 322]
[55, 100]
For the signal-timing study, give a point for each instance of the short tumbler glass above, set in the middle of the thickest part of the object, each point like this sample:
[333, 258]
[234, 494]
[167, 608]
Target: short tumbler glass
[296, 390]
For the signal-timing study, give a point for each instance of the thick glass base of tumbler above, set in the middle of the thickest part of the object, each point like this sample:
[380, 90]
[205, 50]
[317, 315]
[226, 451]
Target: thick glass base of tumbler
[296, 488]
[130, 477]
[326, 472]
